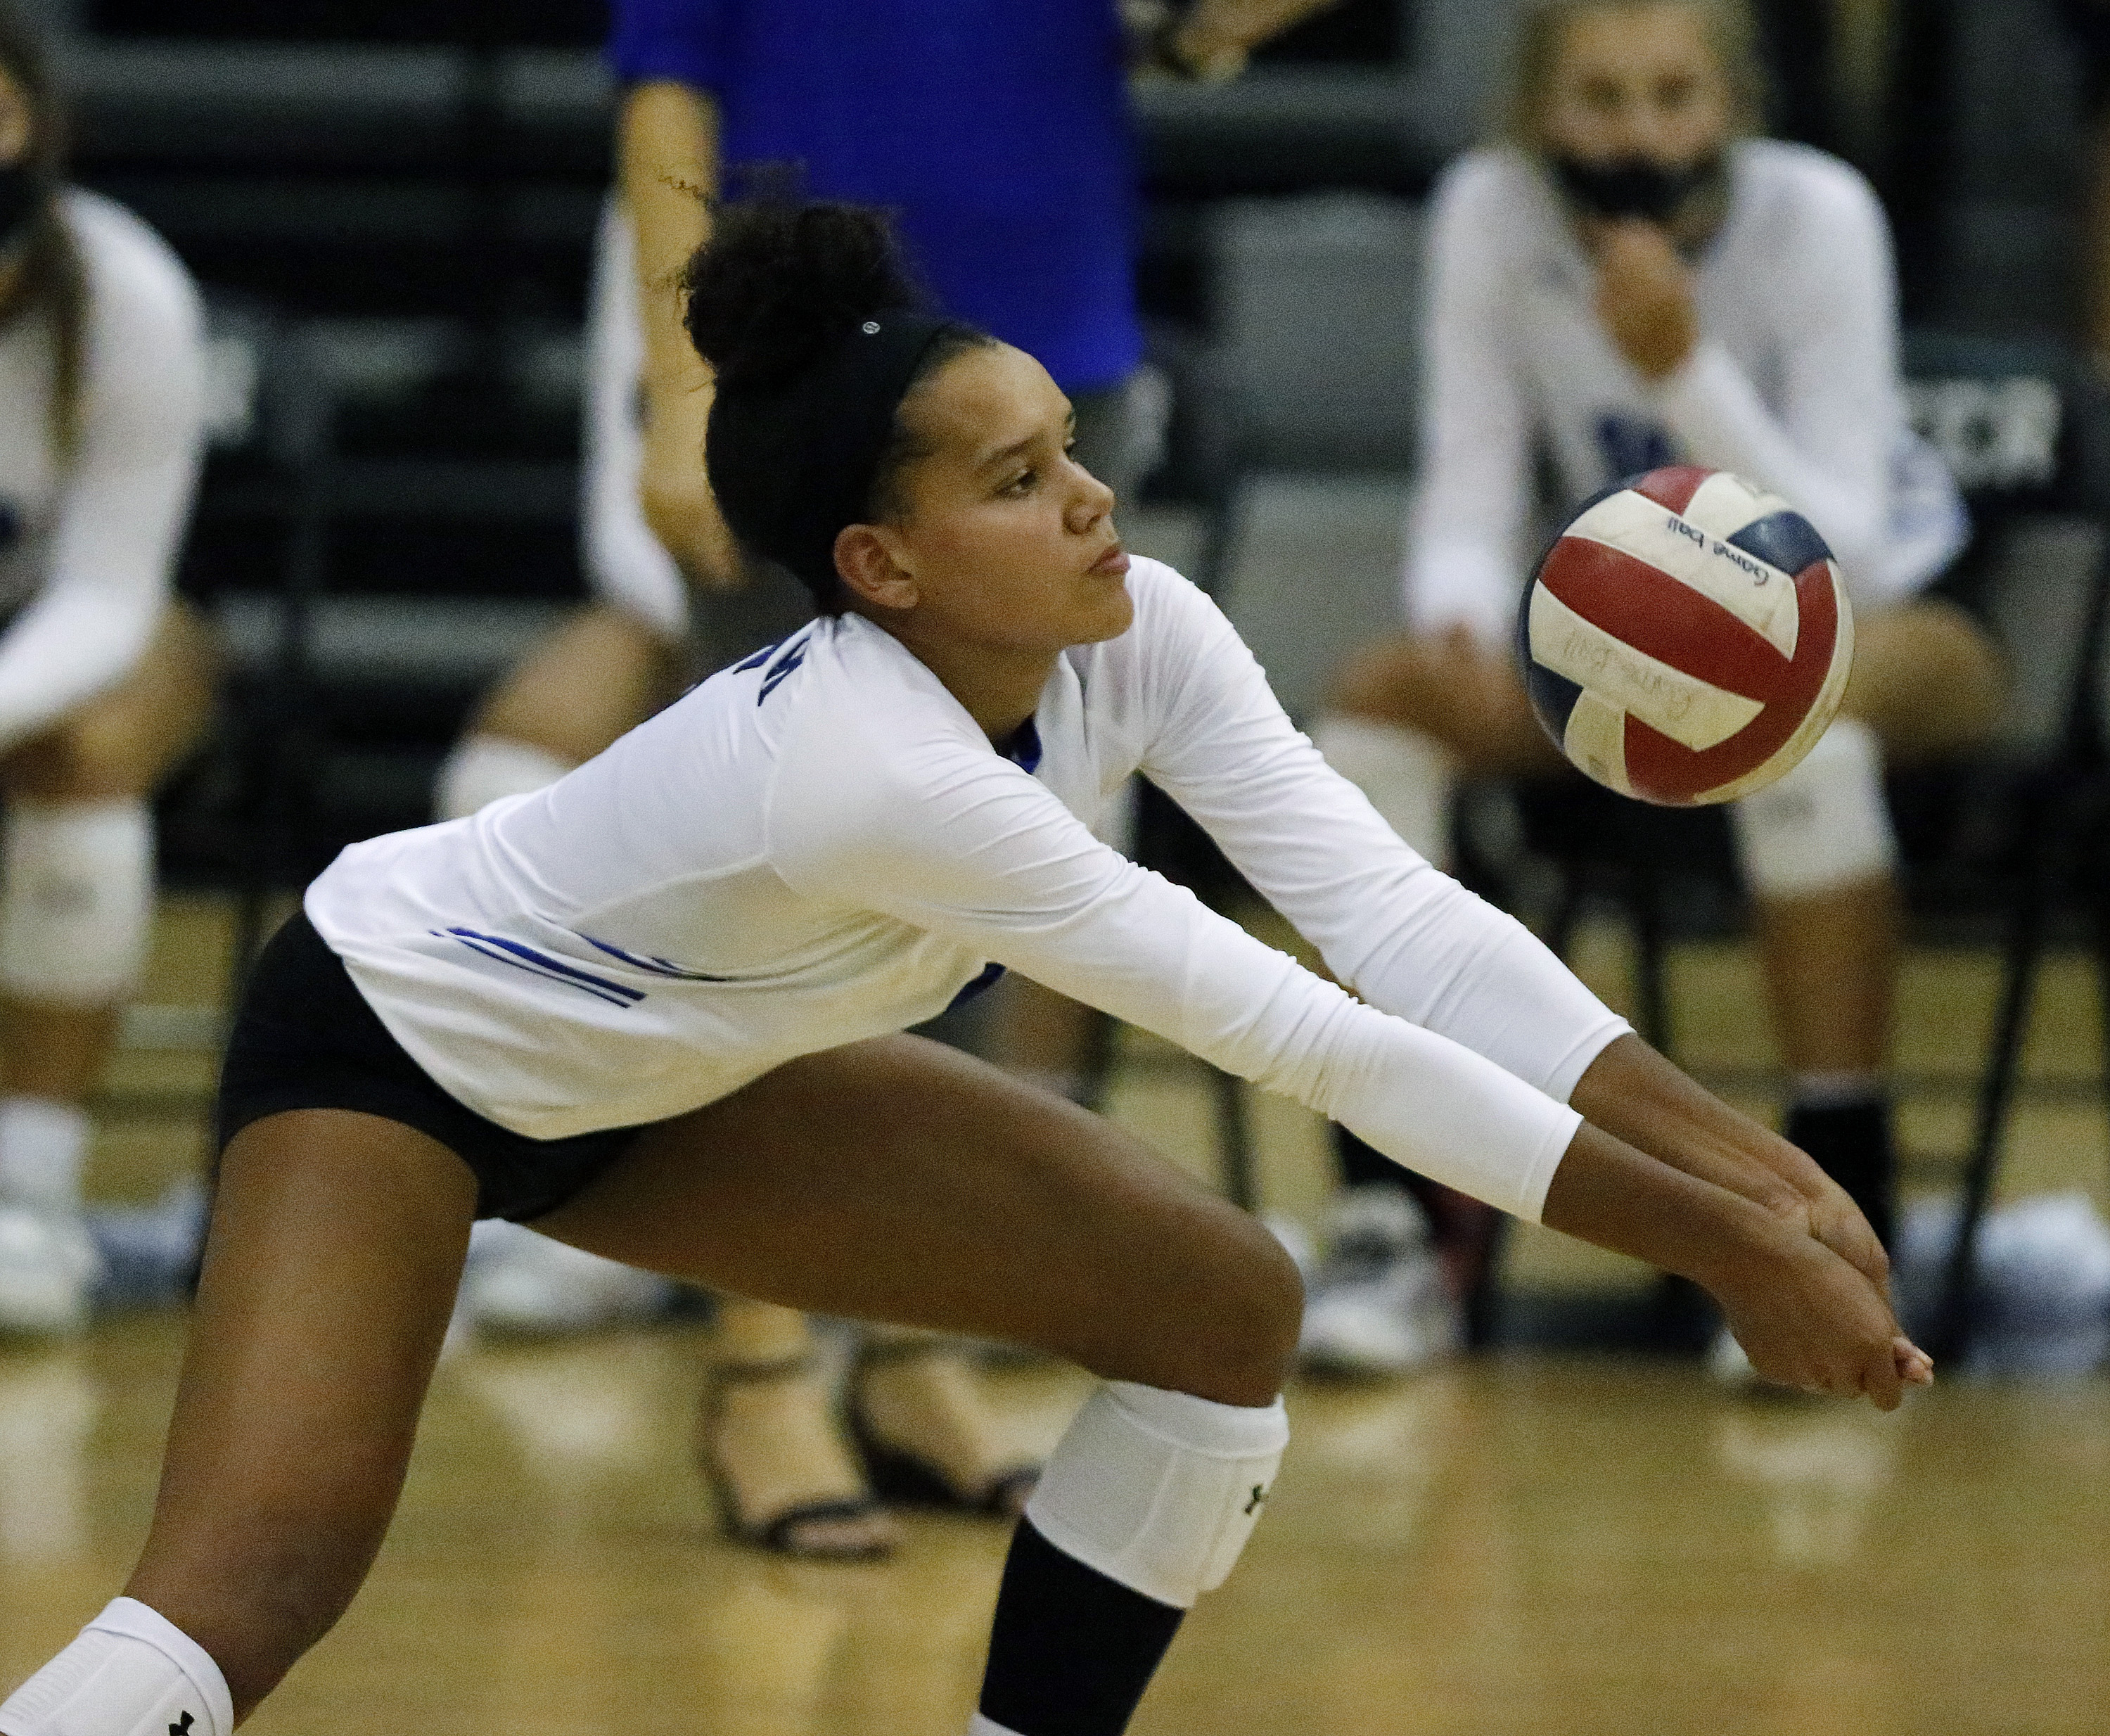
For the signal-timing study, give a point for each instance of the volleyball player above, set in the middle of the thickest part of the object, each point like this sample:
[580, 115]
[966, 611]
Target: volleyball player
[1017, 191]
[649, 1009]
[104, 678]
[1631, 279]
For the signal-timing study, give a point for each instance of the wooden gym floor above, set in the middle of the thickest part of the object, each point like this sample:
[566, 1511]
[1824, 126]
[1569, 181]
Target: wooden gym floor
[1519, 1545]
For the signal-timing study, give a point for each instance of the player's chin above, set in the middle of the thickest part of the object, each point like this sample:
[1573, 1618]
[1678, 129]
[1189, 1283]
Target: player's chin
[1105, 612]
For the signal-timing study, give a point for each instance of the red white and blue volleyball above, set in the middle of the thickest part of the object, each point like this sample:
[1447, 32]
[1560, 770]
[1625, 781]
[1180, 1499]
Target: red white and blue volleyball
[1688, 639]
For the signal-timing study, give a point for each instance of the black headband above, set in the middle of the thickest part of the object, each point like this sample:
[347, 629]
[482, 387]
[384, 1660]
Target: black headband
[835, 424]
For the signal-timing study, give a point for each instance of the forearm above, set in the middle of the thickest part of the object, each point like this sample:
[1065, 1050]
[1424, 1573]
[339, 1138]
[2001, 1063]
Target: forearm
[1608, 1193]
[1638, 1096]
[670, 167]
[668, 160]
[1212, 30]
[1634, 1094]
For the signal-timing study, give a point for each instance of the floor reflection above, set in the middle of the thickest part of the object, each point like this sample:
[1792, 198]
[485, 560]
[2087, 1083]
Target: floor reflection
[49, 1403]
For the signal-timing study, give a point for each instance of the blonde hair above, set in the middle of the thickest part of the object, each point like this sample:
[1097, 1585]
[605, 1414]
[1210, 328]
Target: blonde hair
[1731, 30]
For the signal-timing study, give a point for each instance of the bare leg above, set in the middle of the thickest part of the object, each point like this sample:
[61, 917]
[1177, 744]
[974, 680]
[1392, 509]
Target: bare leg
[1929, 682]
[1454, 689]
[1829, 960]
[961, 1203]
[776, 1441]
[600, 674]
[336, 1242]
[899, 1181]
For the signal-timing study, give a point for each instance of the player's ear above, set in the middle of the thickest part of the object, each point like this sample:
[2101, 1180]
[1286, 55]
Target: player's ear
[868, 562]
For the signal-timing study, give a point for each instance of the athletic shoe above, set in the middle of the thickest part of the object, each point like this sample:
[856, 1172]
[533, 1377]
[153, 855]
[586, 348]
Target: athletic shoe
[524, 1284]
[1378, 1302]
[48, 1272]
[1727, 1365]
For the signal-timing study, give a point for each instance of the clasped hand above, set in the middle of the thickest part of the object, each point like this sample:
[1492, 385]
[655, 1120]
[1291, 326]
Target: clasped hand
[1645, 296]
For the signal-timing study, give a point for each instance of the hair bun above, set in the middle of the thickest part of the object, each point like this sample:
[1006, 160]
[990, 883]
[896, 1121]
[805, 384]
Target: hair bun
[778, 283]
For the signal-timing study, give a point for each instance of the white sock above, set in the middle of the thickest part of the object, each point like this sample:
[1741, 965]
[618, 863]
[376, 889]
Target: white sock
[1408, 777]
[981, 1726]
[129, 1672]
[482, 769]
[43, 1145]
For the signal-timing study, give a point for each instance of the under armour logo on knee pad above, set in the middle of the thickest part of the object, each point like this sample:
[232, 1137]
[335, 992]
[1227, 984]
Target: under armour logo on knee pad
[1259, 1495]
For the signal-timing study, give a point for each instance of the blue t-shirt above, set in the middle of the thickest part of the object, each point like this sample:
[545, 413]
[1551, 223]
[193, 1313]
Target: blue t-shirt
[999, 132]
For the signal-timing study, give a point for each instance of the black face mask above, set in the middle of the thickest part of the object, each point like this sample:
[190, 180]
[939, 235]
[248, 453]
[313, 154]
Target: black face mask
[1634, 186]
[21, 197]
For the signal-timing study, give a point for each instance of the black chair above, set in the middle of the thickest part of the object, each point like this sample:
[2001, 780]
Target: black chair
[2026, 428]
[2012, 832]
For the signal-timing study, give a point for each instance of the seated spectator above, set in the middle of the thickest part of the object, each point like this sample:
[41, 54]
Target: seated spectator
[1629, 279]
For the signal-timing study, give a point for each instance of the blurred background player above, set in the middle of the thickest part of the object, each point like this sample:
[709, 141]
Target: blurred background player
[1020, 207]
[105, 679]
[1631, 279]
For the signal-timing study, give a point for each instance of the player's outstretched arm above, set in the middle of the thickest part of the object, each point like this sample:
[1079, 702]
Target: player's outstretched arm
[1638, 1096]
[1805, 1317]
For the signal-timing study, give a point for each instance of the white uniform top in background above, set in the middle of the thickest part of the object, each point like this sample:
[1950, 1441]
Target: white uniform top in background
[1793, 384]
[86, 546]
[625, 564]
[819, 846]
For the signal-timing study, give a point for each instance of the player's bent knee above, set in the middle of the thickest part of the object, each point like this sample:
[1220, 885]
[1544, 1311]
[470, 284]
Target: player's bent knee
[1236, 1350]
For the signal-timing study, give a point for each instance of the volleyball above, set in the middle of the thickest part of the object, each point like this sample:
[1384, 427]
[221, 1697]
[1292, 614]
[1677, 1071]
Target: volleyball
[1687, 638]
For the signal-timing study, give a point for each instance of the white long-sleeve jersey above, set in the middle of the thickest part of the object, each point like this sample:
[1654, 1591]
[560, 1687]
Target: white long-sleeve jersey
[1794, 383]
[86, 546]
[819, 846]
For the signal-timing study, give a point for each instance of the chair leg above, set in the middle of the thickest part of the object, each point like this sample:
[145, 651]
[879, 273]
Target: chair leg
[1234, 1153]
[1950, 1337]
[1567, 910]
[1651, 969]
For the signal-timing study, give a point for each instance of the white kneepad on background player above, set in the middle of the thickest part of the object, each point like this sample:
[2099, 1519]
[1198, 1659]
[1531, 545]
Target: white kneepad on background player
[1823, 827]
[76, 903]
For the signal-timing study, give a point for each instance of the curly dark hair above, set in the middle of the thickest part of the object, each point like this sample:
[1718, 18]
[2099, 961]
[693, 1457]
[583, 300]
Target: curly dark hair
[775, 293]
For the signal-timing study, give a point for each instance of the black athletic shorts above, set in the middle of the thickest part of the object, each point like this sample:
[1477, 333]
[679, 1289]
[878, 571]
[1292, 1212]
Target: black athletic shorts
[305, 1039]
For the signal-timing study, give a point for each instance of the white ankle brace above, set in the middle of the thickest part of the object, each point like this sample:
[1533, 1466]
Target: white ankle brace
[1157, 1490]
[131, 1672]
[78, 901]
[1823, 825]
[1407, 776]
[483, 768]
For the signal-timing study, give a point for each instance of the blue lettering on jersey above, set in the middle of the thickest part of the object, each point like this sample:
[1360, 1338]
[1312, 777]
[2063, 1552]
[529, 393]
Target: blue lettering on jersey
[1631, 444]
[789, 659]
[758, 659]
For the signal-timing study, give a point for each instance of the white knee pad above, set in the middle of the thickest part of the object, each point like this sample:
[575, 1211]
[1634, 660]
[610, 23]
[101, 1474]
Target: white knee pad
[1159, 1491]
[1825, 825]
[1408, 778]
[76, 899]
[482, 769]
[130, 1672]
